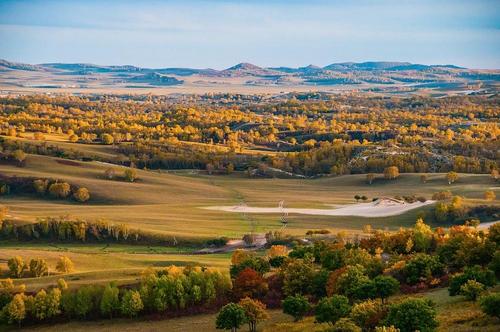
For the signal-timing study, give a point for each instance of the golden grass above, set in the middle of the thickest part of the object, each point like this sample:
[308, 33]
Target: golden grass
[169, 202]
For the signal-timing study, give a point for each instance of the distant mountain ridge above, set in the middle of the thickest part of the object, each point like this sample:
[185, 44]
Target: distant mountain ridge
[369, 75]
[241, 67]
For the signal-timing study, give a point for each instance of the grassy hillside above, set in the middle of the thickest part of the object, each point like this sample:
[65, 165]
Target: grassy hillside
[169, 202]
[103, 263]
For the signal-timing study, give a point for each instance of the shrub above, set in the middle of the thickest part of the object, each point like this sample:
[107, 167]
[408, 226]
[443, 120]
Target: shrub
[441, 195]
[107, 139]
[230, 317]
[345, 325]
[386, 329]
[296, 306]
[367, 314]
[422, 267]
[331, 309]
[60, 189]
[484, 276]
[471, 290]
[489, 195]
[109, 173]
[490, 304]
[41, 185]
[412, 314]
[81, 194]
[130, 174]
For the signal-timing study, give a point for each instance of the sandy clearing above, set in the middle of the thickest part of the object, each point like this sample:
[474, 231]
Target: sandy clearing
[372, 209]
[487, 225]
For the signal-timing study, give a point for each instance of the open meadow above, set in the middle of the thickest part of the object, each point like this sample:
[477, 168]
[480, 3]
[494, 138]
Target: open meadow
[172, 202]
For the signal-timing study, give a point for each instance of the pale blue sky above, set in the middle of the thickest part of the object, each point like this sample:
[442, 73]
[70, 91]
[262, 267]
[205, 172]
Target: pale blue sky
[218, 34]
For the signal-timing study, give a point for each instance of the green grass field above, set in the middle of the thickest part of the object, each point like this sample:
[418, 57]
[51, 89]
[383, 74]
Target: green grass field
[170, 202]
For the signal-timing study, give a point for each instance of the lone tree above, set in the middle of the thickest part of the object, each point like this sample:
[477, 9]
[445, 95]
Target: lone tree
[109, 173]
[65, 265]
[391, 172]
[370, 177]
[60, 189]
[451, 177]
[81, 194]
[495, 174]
[255, 311]
[19, 156]
[489, 195]
[39, 267]
[357, 198]
[130, 174]
[230, 317]
[296, 306]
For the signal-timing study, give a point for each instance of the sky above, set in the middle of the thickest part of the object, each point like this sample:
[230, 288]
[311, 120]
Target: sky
[220, 33]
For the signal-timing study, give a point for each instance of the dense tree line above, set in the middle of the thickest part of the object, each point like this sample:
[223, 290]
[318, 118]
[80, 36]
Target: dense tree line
[324, 135]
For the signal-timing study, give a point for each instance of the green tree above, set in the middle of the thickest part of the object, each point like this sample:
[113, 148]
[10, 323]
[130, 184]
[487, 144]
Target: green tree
[296, 306]
[385, 286]
[472, 289]
[16, 266]
[331, 309]
[230, 317]
[297, 276]
[131, 303]
[255, 311]
[350, 282]
[39, 267]
[413, 314]
[110, 302]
